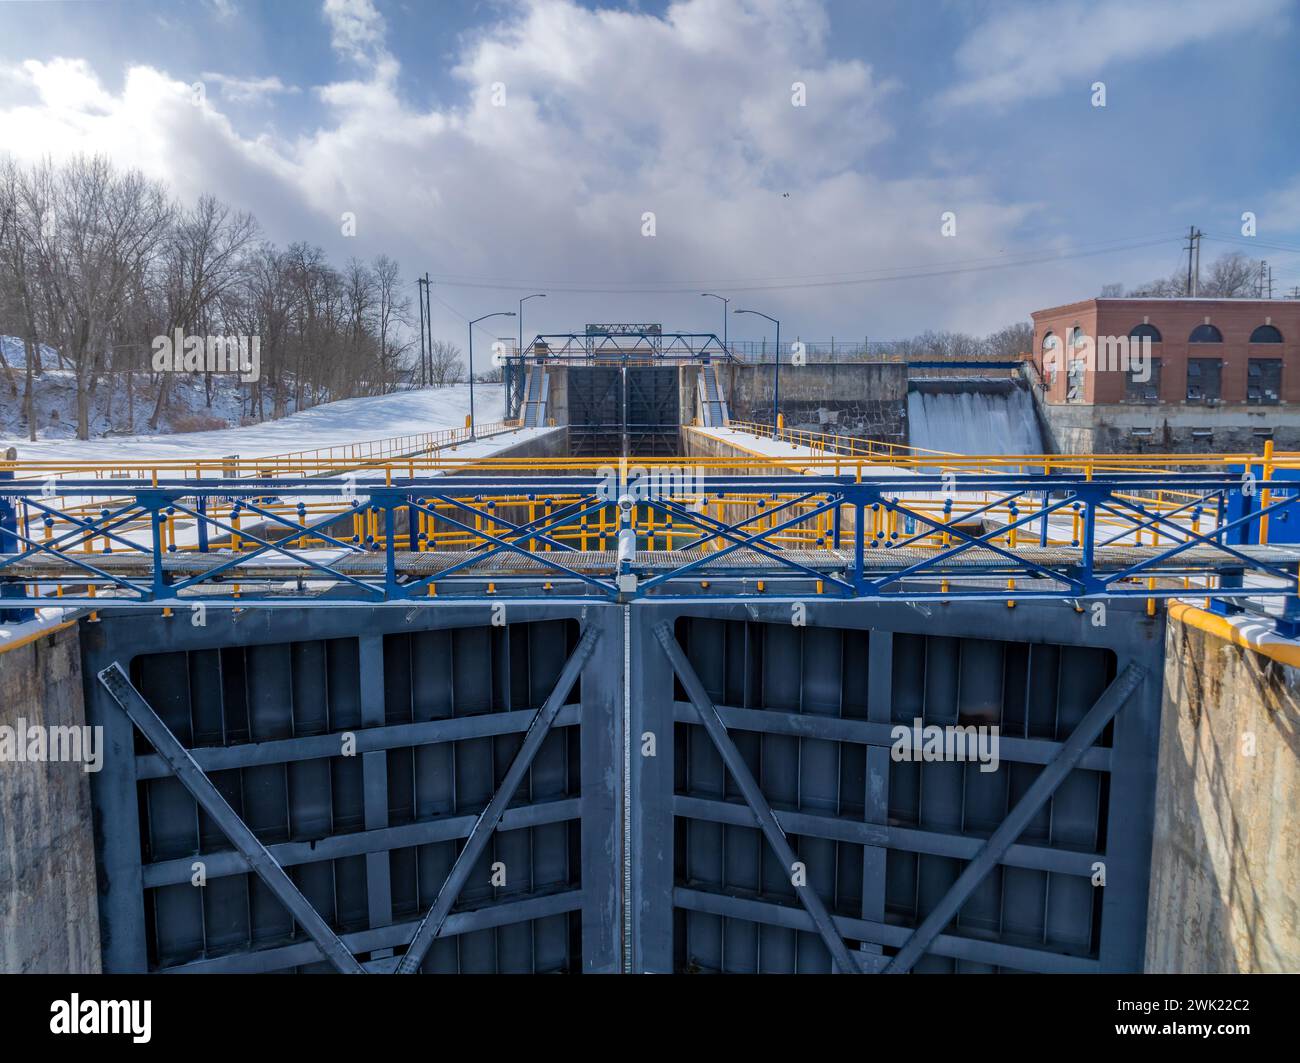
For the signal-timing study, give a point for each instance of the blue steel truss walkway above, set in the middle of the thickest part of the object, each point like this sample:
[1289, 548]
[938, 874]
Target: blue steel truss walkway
[933, 537]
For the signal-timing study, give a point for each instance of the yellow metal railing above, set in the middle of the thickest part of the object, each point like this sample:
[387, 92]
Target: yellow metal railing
[337, 458]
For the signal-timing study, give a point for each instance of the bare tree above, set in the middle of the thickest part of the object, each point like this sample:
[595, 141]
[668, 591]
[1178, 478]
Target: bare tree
[92, 232]
[392, 319]
[1010, 342]
[95, 263]
[16, 302]
[445, 364]
[201, 260]
[1232, 276]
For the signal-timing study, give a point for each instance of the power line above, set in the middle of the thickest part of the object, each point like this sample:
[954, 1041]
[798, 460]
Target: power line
[1250, 241]
[1001, 256]
[464, 317]
[881, 276]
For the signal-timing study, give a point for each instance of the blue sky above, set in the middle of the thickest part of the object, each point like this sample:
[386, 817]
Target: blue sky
[386, 110]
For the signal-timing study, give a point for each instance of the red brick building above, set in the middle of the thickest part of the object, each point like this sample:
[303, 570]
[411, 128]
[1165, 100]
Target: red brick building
[1225, 373]
[1203, 350]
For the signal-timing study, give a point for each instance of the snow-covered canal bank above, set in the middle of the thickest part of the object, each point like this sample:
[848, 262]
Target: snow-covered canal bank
[335, 423]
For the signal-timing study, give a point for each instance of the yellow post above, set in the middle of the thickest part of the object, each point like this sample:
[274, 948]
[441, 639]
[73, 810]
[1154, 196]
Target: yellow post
[1264, 495]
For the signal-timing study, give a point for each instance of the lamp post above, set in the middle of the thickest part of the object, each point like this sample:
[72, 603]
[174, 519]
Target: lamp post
[502, 313]
[725, 301]
[776, 376]
[535, 295]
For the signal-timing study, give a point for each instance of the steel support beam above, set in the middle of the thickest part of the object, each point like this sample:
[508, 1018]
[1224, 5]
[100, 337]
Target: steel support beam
[279, 957]
[876, 734]
[1042, 788]
[758, 804]
[191, 776]
[431, 925]
[993, 953]
[369, 740]
[360, 843]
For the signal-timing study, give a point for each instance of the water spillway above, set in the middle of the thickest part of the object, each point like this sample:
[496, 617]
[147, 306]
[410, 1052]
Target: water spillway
[973, 416]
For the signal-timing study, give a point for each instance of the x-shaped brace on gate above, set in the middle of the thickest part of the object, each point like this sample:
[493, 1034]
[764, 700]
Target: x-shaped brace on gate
[1054, 773]
[269, 870]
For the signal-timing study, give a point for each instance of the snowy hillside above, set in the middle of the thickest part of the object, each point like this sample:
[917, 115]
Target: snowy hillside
[112, 412]
[347, 421]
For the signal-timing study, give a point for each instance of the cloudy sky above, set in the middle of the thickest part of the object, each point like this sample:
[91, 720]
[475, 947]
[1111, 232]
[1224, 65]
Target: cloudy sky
[512, 146]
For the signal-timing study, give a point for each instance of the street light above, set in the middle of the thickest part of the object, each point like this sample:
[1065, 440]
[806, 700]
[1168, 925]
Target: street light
[502, 313]
[535, 295]
[725, 301]
[776, 376]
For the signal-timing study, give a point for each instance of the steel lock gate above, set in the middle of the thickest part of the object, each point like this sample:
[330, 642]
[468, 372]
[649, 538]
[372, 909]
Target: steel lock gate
[782, 826]
[361, 750]
[750, 800]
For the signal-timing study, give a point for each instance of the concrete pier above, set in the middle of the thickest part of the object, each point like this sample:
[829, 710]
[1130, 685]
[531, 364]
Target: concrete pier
[49, 921]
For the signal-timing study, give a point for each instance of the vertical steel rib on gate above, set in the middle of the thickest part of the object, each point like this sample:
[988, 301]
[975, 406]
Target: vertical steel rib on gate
[192, 777]
[488, 819]
[766, 818]
[1049, 779]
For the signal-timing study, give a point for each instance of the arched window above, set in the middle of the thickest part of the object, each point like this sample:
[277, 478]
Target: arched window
[1076, 337]
[1205, 334]
[1266, 334]
[1049, 342]
[1145, 332]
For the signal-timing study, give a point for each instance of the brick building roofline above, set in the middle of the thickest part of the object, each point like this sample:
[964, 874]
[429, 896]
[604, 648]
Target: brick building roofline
[1083, 304]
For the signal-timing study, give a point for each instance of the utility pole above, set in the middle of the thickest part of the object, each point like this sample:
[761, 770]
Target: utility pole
[419, 298]
[1193, 260]
[428, 317]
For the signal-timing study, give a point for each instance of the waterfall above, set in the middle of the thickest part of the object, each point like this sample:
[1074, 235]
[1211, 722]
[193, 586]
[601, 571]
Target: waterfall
[973, 416]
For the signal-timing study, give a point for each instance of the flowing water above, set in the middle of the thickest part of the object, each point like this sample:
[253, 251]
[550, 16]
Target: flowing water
[973, 417]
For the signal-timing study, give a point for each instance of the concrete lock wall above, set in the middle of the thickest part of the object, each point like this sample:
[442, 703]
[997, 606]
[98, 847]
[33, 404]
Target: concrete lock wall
[867, 399]
[1225, 876]
[1134, 429]
[49, 919]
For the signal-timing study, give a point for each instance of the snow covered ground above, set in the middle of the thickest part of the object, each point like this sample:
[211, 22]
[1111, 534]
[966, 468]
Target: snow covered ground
[347, 421]
[111, 412]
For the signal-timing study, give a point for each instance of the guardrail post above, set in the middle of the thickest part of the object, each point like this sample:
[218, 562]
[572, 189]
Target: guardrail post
[10, 544]
[1047, 501]
[1288, 624]
[391, 589]
[1229, 580]
[859, 546]
[1088, 539]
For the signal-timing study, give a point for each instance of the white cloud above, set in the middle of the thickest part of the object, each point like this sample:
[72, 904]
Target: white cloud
[1029, 51]
[249, 90]
[356, 28]
[608, 114]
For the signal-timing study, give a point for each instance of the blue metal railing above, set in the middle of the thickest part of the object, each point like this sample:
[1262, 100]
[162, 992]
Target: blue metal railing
[927, 537]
